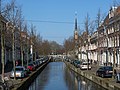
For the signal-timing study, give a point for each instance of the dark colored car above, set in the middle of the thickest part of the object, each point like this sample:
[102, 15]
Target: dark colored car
[77, 63]
[105, 71]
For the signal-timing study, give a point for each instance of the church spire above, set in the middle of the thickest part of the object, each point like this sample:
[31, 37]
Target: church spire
[76, 28]
[75, 21]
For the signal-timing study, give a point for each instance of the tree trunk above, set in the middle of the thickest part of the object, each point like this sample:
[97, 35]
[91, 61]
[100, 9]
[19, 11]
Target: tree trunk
[13, 52]
[2, 52]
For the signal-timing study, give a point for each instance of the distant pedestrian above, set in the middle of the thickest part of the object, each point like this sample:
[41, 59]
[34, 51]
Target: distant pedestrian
[116, 65]
[91, 61]
[16, 63]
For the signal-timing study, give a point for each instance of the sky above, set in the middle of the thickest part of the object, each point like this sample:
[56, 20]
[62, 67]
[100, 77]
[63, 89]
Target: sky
[61, 11]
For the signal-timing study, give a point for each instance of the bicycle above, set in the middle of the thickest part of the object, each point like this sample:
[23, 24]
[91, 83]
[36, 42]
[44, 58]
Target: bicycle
[6, 84]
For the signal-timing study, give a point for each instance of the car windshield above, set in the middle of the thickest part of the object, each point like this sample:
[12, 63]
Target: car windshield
[30, 65]
[108, 68]
[78, 62]
[19, 69]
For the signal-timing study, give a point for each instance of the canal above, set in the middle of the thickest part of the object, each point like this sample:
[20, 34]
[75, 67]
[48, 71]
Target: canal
[56, 76]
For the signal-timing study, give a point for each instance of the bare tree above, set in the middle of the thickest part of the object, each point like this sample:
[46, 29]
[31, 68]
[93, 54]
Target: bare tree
[98, 22]
[33, 41]
[39, 44]
[25, 44]
[69, 45]
[12, 14]
[98, 18]
[87, 28]
[46, 47]
[3, 38]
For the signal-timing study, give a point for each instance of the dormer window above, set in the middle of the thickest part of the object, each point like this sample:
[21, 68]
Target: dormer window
[112, 12]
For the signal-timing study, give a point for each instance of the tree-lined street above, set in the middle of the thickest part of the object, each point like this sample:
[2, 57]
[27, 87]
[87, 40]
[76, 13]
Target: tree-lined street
[94, 42]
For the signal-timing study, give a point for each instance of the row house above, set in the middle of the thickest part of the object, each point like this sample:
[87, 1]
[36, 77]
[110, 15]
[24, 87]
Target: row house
[3, 28]
[7, 28]
[109, 37]
[104, 44]
[92, 50]
[90, 47]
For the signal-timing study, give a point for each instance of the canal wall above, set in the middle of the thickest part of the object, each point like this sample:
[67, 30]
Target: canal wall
[26, 83]
[106, 83]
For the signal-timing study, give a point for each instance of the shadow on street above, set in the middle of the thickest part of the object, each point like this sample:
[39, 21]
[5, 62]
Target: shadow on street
[8, 67]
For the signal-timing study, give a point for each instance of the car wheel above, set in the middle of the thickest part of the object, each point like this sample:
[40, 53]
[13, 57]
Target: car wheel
[116, 79]
[23, 75]
[102, 75]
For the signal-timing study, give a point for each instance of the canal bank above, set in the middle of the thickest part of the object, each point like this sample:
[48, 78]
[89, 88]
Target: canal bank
[25, 83]
[104, 82]
[57, 76]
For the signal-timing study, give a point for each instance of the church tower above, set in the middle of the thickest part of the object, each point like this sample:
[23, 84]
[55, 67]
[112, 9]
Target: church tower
[76, 37]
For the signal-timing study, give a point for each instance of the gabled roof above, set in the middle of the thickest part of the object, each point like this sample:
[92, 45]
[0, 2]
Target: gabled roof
[115, 11]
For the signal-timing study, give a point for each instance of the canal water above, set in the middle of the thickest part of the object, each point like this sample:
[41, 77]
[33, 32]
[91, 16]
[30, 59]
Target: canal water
[56, 76]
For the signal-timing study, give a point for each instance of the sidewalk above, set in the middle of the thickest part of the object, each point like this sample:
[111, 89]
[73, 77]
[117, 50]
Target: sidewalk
[8, 69]
[96, 66]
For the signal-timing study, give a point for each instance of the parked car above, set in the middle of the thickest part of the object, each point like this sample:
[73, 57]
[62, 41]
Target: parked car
[20, 72]
[105, 71]
[84, 66]
[71, 61]
[31, 66]
[77, 63]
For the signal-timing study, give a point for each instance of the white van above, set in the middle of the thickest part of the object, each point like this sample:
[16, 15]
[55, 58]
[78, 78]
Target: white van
[84, 66]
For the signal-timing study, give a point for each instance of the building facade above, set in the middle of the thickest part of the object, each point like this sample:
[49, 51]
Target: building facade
[6, 35]
[104, 44]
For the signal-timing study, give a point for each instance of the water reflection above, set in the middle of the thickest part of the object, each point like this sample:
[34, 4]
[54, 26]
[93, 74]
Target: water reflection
[77, 82]
[41, 80]
[56, 76]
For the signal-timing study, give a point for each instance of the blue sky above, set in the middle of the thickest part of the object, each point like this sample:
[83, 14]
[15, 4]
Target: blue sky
[61, 11]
